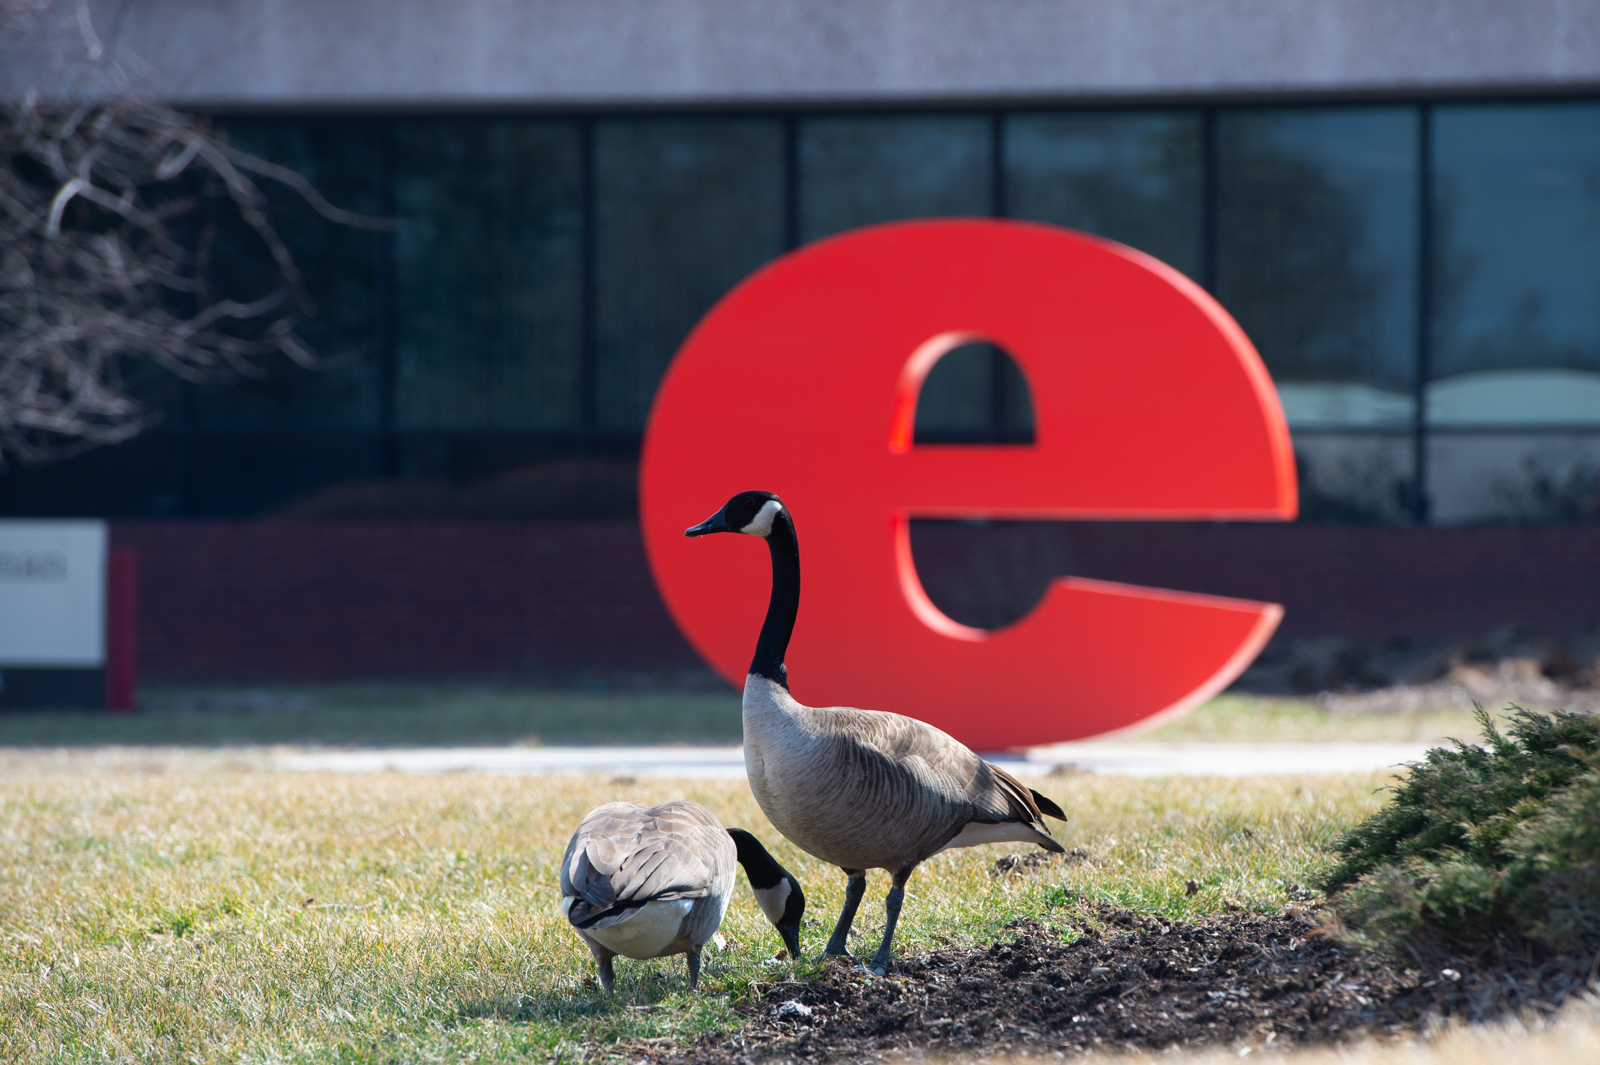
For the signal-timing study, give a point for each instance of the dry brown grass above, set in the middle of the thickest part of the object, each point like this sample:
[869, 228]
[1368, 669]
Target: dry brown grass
[181, 906]
[174, 907]
[400, 715]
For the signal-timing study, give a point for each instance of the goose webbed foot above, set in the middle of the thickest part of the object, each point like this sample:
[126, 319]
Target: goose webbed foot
[854, 888]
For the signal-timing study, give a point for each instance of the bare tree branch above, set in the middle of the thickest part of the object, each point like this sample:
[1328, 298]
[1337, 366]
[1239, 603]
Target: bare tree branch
[95, 278]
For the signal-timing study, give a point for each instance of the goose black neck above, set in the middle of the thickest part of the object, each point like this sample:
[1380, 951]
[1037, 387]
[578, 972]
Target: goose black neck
[784, 605]
[760, 867]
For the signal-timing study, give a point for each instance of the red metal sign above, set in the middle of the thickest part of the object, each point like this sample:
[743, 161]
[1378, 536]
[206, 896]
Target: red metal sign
[1149, 403]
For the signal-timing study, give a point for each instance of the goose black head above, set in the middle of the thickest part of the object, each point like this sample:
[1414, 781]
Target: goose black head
[748, 512]
[776, 890]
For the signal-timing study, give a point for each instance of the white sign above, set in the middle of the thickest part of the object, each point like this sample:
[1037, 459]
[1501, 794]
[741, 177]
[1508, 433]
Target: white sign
[52, 593]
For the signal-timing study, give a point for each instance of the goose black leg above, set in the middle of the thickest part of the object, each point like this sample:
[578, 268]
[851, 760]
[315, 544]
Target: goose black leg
[853, 890]
[602, 962]
[891, 910]
[694, 968]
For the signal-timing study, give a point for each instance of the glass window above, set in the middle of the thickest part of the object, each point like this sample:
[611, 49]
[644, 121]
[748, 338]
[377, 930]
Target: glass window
[1517, 265]
[487, 274]
[975, 394]
[1316, 255]
[1509, 476]
[342, 266]
[1355, 476]
[248, 474]
[143, 477]
[863, 169]
[1129, 176]
[858, 170]
[686, 208]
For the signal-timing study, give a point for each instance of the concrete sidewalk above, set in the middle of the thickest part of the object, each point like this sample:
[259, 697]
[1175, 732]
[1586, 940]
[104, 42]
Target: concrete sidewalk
[1120, 759]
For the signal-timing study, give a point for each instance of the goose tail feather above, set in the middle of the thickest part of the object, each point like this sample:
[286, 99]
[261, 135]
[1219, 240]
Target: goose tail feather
[1048, 842]
[1048, 806]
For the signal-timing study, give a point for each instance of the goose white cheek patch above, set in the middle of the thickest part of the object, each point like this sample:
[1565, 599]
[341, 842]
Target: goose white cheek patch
[761, 524]
[773, 900]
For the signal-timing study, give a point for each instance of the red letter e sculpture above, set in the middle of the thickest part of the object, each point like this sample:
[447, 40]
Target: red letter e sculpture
[1149, 404]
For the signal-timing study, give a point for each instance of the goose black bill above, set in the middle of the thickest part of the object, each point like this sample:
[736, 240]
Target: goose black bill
[714, 524]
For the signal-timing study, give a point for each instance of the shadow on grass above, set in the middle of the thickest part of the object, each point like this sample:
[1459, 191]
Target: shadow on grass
[546, 1008]
[388, 715]
[652, 1004]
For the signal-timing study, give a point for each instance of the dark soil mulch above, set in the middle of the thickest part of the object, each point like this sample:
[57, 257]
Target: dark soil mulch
[1130, 981]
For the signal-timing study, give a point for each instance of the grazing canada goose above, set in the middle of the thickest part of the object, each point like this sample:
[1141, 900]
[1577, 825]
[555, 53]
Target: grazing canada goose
[646, 882]
[859, 789]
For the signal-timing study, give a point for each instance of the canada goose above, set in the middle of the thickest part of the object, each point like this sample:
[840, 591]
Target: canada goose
[859, 789]
[647, 882]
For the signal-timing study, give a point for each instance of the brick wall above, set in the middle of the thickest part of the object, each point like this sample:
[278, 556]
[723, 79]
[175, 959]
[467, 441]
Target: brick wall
[260, 601]
[1347, 580]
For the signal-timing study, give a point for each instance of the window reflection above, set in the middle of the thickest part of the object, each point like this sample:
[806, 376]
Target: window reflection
[1316, 256]
[686, 208]
[342, 268]
[975, 394]
[1527, 476]
[480, 291]
[858, 170]
[486, 274]
[1517, 265]
[1129, 176]
[1354, 476]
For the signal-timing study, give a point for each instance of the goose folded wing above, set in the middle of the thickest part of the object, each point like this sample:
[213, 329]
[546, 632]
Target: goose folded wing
[996, 795]
[945, 767]
[661, 870]
[619, 861]
[951, 767]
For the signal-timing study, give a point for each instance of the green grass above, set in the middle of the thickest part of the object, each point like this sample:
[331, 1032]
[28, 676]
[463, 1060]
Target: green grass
[1272, 719]
[382, 715]
[239, 915]
[385, 715]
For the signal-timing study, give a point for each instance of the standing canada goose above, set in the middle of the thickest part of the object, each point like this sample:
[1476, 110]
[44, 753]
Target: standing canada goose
[647, 882]
[859, 789]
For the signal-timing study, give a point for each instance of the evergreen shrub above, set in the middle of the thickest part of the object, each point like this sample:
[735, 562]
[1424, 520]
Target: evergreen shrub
[1482, 841]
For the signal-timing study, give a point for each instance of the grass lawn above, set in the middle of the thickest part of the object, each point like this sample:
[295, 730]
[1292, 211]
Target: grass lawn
[387, 715]
[1273, 719]
[229, 914]
[382, 715]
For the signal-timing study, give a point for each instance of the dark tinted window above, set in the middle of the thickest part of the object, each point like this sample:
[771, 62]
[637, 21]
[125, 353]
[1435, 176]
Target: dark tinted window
[858, 170]
[976, 394]
[1130, 176]
[1517, 264]
[487, 245]
[686, 208]
[1316, 255]
[342, 267]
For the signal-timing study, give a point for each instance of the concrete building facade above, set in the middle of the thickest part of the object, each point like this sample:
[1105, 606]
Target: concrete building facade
[1399, 201]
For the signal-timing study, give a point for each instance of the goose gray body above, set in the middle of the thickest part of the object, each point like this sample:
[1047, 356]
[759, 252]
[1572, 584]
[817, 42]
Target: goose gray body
[869, 790]
[857, 788]
[647, 882]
